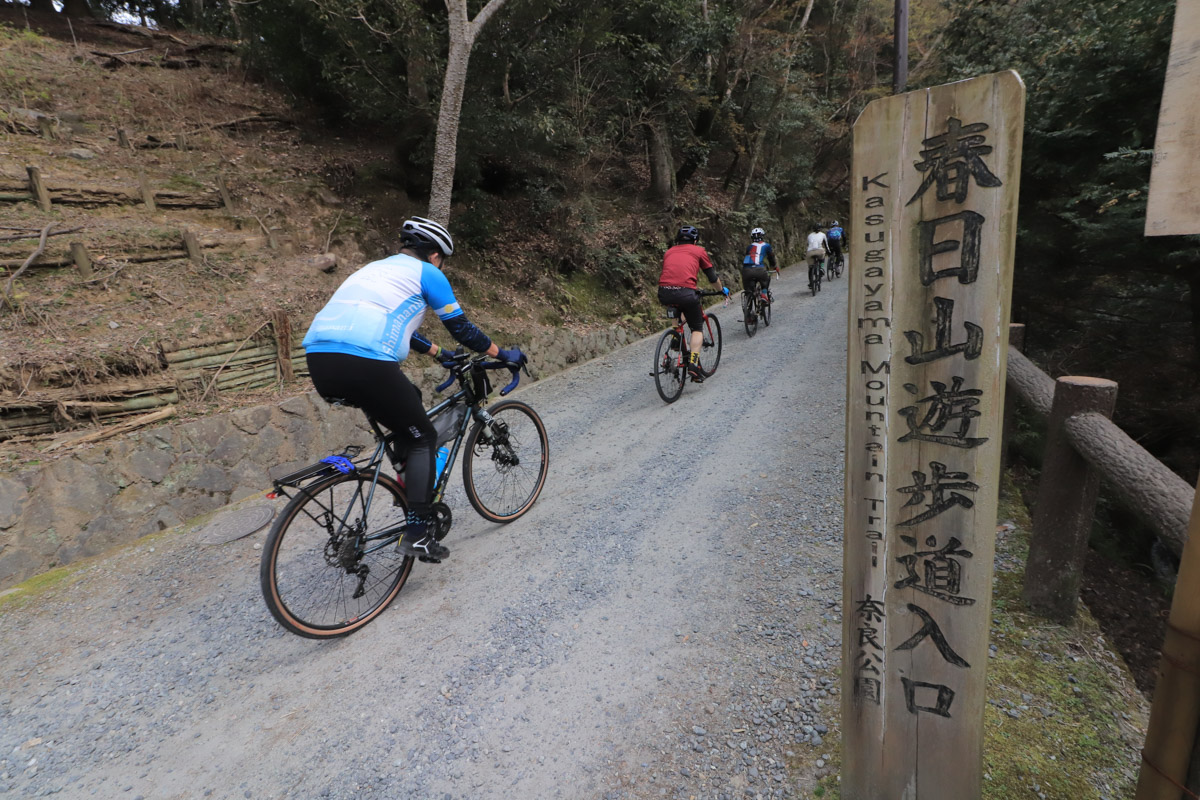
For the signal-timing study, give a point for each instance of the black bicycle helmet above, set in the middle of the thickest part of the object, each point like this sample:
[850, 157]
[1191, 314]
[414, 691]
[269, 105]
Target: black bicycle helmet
[419, 230]
[816, 227]
[687, 234]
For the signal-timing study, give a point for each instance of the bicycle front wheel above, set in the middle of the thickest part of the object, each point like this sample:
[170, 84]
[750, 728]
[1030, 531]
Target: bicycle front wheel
[766, 313]
[325, 571]
[710, 351]
[749, 314]
[669, 371]
[506, 459]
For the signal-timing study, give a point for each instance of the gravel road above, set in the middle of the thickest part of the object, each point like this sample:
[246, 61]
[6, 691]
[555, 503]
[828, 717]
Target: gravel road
[663, 623]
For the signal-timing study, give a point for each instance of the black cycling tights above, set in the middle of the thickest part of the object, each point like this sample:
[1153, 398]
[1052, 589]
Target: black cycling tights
[381, 390]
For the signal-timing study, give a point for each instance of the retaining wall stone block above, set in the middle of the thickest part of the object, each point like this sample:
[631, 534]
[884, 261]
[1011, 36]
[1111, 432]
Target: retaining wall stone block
[252, 420]
[148, 464]
[14, 495]
[88, 500]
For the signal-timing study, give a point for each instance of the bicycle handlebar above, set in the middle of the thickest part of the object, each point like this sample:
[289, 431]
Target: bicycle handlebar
[464, 361]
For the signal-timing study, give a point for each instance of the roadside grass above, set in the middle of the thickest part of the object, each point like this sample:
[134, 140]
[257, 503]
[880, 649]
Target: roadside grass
[1064, 719]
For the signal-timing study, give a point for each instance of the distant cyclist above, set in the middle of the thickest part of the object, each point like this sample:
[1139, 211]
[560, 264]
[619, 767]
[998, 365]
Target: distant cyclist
[837, 237]
[357, 341]
[754, 264]
[818, 248]
[677, 286]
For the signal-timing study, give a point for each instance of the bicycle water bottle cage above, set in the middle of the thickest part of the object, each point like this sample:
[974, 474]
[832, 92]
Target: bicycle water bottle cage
[340, 463]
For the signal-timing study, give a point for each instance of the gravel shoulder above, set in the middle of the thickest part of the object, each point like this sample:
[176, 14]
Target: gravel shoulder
[663, 623]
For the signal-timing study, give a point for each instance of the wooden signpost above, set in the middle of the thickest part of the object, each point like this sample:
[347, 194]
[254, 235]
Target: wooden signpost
[1173, 206]
[933, 227]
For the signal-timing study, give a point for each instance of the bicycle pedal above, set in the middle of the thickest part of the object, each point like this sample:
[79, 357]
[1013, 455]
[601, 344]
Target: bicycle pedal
[429, 559]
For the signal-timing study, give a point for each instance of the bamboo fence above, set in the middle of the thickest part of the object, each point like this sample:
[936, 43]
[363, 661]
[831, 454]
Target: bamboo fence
[195, 372]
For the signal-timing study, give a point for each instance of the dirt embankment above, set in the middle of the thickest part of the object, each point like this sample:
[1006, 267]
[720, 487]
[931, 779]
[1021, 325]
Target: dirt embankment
[205, 206]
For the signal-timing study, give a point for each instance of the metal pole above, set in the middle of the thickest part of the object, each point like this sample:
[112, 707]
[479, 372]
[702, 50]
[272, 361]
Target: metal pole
[900, 66]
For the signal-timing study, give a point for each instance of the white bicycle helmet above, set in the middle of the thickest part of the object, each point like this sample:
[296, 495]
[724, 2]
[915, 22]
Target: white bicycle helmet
[757, 234]
[426, 230]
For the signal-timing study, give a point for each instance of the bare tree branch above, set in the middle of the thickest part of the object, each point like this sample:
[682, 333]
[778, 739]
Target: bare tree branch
[40, 249]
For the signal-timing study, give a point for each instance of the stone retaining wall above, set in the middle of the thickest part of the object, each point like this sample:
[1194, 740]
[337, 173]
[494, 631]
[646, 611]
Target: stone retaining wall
[86, 501]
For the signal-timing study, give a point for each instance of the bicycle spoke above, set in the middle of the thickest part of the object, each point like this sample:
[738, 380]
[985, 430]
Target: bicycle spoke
[314, 562]
[506, 461]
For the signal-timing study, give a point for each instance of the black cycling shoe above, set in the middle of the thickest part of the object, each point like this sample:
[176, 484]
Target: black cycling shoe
[693, 371]
[423, 546]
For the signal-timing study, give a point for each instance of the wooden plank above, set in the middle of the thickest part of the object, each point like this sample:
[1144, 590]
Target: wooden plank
[933, 227]
[1173, 207]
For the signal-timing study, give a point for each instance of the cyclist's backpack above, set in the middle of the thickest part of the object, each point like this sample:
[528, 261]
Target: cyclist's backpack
[446, 424]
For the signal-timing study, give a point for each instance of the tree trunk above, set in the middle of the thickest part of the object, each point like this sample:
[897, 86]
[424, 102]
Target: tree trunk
[416, 72]
[462, 38]
[77, 8]
[662, 168]
[446, 147]
[43, 6]
[238, 30]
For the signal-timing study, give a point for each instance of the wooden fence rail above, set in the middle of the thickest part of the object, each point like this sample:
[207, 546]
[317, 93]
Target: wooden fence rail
[47, 192]
[1084, 445]
[1154, 492]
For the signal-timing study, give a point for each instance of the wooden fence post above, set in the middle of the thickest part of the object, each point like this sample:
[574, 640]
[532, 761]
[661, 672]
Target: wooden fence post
[1016, 340]
[192, 245]
[226, 198]
[37, 188]
[1066, 502]
[123, 139]
[83, 261]
[282, 328]
[1176, 708]
[147, 192]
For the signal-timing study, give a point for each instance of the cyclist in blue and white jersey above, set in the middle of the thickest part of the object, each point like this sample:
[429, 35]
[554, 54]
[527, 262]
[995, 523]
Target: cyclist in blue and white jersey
[754, 264]
[836, 236]
[356, 343]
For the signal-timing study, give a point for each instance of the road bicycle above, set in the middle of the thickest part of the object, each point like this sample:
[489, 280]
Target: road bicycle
[816, 266]
[755, 306]
[836, 264]
[671, 355]
[330, 564]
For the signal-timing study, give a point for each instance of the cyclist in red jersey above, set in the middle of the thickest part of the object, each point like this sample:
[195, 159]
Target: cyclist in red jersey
[677, 286]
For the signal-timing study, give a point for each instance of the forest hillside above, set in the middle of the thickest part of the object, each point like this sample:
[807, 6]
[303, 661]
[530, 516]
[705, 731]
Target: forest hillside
[301, 130]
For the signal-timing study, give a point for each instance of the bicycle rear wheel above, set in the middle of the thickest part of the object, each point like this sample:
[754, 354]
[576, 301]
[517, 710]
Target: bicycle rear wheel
[322, 573]
[669, 371]
[749, 313]
[504, 468]
[710, 350]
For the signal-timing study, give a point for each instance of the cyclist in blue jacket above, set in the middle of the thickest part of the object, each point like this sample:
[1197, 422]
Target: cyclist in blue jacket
[754, 264]
[837, 237]
[356, 343]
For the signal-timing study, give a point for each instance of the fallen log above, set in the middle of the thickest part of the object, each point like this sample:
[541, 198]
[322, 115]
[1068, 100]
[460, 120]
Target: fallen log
[115, 430]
